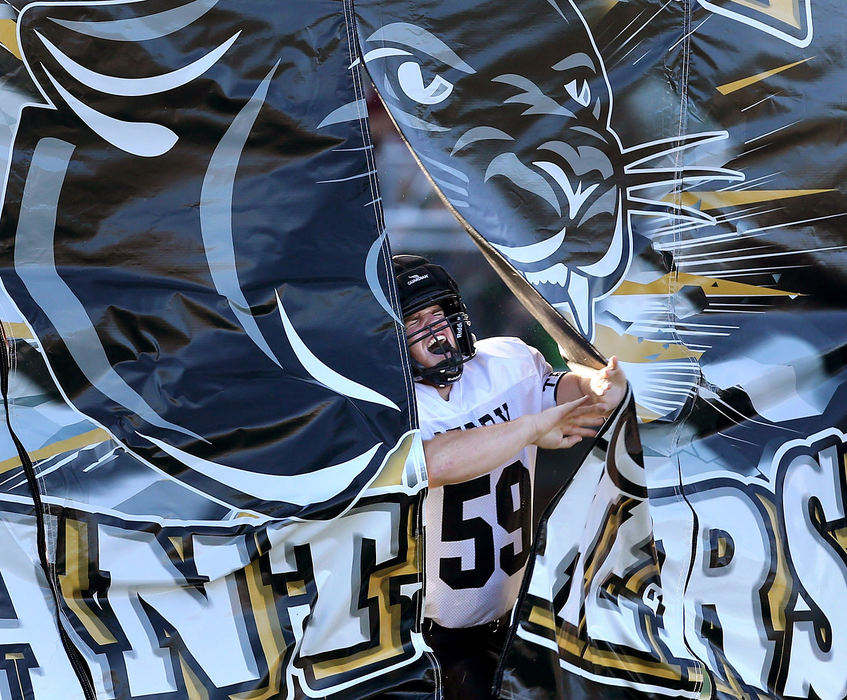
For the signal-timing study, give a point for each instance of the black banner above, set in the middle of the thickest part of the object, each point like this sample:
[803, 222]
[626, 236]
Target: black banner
[184, 305]
[207, 373]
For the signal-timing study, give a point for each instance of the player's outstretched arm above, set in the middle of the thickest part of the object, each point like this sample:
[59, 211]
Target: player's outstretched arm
[606, 385]
[461, 455]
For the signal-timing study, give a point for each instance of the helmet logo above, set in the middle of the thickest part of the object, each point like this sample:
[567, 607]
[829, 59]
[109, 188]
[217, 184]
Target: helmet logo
[416, 278]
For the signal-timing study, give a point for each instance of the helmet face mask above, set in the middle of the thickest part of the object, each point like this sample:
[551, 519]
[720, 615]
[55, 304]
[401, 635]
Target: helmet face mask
[433, 336]
[422, 284]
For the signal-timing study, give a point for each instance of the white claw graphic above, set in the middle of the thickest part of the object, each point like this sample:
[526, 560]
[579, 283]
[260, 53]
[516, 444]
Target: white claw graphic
[580, 304]
[557, 274]
[534, 252]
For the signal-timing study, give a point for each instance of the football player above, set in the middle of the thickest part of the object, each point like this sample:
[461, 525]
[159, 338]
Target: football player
[484, 408]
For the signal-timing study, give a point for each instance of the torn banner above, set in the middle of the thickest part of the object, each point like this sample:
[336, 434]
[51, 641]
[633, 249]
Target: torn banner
[225, 488]
[594, 580]
[667, 175]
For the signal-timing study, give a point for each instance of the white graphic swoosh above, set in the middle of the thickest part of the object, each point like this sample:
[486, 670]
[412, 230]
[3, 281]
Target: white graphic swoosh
[326, 375]
[143, 139]
[299, 489]
[136, 87]
[534, 252]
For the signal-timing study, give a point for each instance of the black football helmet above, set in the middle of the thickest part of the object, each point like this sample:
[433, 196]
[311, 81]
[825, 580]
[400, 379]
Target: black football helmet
[421, 283]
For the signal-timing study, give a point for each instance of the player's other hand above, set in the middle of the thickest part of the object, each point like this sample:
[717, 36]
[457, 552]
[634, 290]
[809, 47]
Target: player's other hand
[566, 424]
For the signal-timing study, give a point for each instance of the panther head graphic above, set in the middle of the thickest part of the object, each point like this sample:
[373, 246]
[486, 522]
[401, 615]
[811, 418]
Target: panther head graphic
[519, 139]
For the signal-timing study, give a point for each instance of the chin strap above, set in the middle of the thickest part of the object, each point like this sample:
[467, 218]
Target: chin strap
[445, 372]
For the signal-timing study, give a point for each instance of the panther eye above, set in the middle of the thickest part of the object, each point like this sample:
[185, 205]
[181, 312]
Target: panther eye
[581, 95]
[412, 83]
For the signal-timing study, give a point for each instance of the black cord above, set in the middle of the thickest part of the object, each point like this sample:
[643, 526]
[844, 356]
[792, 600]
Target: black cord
[75, 657]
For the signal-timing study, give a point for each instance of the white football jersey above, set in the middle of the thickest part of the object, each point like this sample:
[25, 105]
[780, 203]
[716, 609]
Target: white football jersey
[478, 533]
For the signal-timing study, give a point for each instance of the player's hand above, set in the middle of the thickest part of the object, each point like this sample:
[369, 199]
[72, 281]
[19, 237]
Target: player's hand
[606, 385]
[566, 424]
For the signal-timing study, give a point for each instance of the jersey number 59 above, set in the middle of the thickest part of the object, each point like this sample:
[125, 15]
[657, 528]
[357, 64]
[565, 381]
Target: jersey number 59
[511, 516]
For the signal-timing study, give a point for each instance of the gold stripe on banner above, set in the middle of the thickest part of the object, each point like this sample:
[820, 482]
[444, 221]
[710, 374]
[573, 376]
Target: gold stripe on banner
[638, 579]
[839, 534]
[708, 201]
[712, 286]
[543, 618]
[781, 10]
[263, 607]
[178, 545]
[246, 514]
[92, 437]
[647, 415]
[73, 580]
[392, 472]
[616, 514]
[578, 649]
[194, 689]
[729, 685]
[630, 348]
[296, 588]
[390, 617]
[14, 657]
[9, 38]
[746, 82]
[575, 643]
[17, 330]
[779, 591]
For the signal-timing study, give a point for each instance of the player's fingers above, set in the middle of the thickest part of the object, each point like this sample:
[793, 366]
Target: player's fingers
[556, 414]
[615, 371]
[597, 408]
[568, 425]
[589, 422]
[582, 431]
[593, 413]
[571, 408]
[585, 421]
[563, 409]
